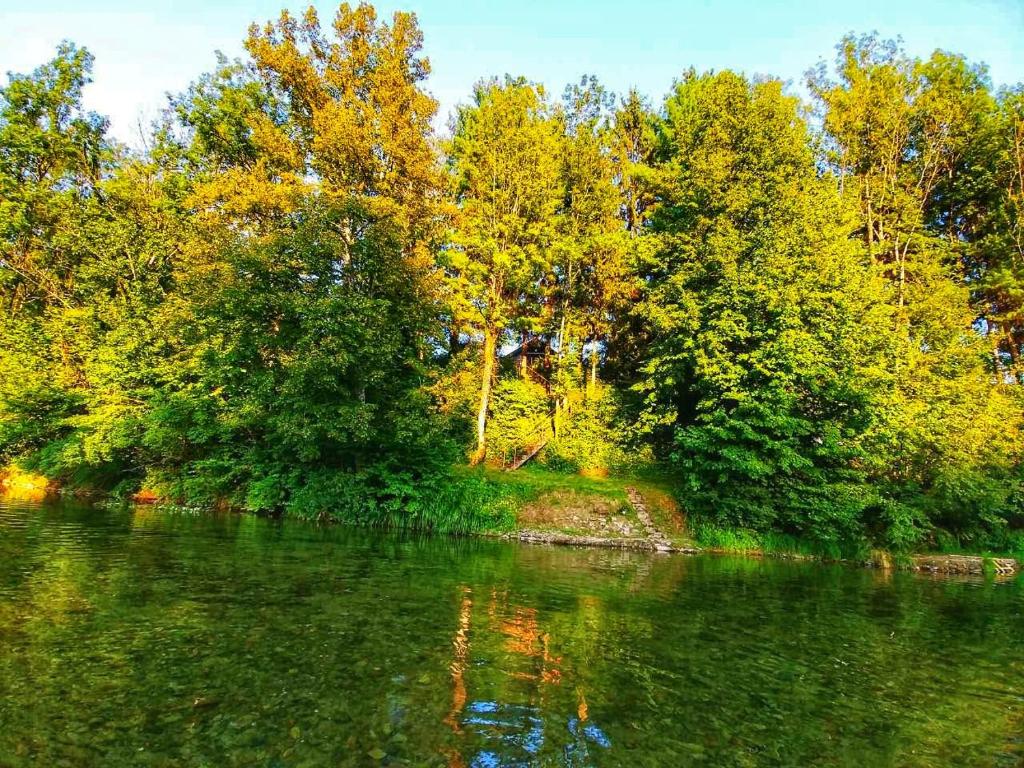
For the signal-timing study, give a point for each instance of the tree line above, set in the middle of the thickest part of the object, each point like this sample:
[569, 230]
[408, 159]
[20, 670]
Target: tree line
[300, 296]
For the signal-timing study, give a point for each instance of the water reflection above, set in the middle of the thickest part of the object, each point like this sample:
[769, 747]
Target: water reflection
[514, 731]
[143, 638]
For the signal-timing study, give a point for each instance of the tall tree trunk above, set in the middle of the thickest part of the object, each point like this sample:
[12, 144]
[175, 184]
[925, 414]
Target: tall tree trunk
[593, 368]
[561, 337]
[870, 234]
[903, 278]
[490, 352]
[1011, 345]
[997, 356]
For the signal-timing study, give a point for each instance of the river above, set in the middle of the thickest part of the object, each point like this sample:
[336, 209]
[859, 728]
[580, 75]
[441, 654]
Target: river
[140, 637]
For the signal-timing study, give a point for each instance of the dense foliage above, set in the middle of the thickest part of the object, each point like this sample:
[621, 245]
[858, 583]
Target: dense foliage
[809, 316]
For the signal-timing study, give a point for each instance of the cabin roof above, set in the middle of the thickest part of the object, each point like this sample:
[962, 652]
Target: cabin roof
[535, 345]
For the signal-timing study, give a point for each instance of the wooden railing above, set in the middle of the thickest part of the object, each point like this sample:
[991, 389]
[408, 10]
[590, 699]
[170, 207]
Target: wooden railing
[540, 432]
[537, 436]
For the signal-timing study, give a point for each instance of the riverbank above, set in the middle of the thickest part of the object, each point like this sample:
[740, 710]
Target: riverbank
[571, 510]
[537, 506]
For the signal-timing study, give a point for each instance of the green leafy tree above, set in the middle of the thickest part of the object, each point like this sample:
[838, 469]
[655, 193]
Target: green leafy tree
[504, 159]
[86, 253]
[632, 143]
[764, 320]
[306, 306]
[901, 132]
[589, 265]
[989, 202]
[52, 158]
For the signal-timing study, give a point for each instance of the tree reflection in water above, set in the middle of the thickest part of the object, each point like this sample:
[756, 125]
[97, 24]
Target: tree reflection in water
[166, 639]
[513, 732]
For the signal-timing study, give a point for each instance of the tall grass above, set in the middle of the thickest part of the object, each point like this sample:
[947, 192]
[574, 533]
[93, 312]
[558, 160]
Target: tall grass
[746, 541]
[1006, 544]
[448, 502]
[468, 504]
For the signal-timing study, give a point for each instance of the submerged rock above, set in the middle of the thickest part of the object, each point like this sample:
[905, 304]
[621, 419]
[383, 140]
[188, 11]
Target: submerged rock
[969, 564]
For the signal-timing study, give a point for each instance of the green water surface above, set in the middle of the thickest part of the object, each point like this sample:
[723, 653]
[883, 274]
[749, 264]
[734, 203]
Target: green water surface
[138, 637]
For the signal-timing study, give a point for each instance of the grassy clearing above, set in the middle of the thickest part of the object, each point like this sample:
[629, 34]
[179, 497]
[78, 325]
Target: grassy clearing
[557, 502]
[533, 484]
[579, 504]
[532, 481]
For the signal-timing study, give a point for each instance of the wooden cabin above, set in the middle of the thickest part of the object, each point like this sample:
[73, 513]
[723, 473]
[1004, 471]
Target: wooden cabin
[532, 357]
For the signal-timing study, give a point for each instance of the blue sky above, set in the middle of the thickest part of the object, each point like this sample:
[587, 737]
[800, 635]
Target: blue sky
[144, 50]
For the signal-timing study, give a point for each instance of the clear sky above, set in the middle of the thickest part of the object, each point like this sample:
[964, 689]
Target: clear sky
[146, 49]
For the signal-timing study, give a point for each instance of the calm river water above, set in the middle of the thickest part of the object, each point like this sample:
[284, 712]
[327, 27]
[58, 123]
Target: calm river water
[135, 637]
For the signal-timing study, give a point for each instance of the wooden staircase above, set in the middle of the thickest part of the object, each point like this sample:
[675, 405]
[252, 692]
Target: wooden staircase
[526, 455]
[541, 433]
